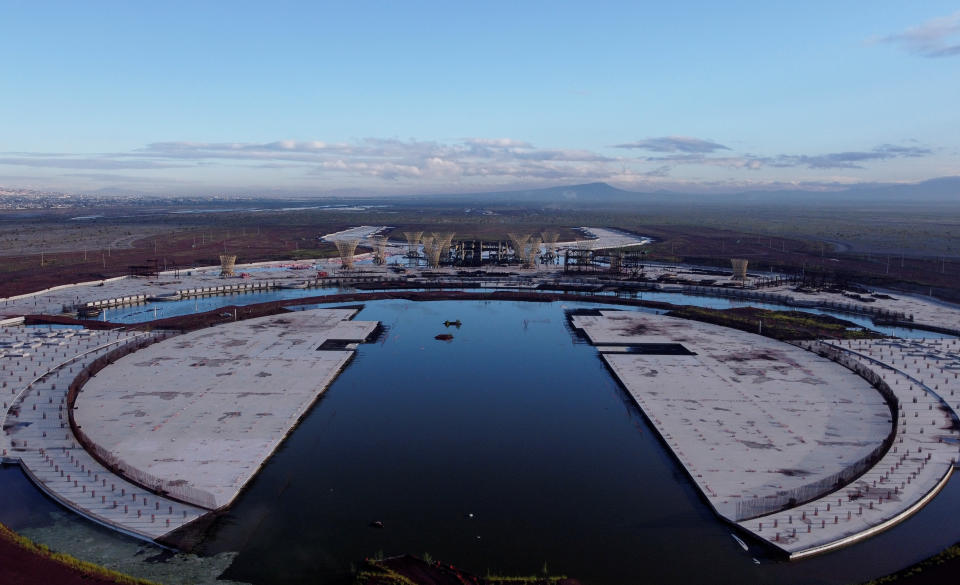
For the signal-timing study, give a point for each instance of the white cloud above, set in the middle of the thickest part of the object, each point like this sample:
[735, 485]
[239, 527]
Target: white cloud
[391, 162]
[674, 144]
[938, 37]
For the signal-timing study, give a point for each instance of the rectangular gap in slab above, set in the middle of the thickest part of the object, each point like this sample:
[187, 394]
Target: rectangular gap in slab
[336, 344]
[651, 348]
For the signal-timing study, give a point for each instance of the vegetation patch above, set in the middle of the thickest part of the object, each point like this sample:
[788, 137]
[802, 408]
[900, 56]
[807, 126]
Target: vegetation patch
[42, 565]
[940, 568]
[782, 325]
[410, 570]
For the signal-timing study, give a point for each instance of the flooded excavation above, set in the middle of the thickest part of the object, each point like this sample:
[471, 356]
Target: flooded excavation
[487, 434]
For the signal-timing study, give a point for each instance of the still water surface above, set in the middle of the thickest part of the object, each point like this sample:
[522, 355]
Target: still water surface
[505, 450]
[162, 309]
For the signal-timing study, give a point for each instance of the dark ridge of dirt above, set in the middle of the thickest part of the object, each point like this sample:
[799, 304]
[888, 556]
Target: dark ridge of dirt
[20, 565]
[407, 569]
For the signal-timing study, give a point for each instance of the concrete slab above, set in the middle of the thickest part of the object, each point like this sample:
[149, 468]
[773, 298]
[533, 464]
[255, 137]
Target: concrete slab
[747, 410]
[911, 472]
[204, 410]
[37, 435]
[749, 417]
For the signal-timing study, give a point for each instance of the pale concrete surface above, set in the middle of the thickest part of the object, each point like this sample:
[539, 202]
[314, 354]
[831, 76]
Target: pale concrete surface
[735, 434]
[604, 238]
[747, 416]
[360, 232]
[36, 432]
[923, 310]
[916, 467]
[205, 410]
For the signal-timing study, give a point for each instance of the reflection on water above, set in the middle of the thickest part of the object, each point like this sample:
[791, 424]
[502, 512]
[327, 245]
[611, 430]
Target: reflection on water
[505, 449]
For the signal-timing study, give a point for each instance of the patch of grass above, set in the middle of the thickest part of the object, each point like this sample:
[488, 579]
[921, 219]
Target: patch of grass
[777, 324]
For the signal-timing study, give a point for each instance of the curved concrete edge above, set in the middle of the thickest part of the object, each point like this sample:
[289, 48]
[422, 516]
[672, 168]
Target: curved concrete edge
[18, 397]
[908, 403]
[106, 523]
[102, 455]
[879, 527]
[210, 485]
[40, 461]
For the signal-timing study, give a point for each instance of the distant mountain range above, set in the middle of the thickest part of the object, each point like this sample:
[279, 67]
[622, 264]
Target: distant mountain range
[941, 190]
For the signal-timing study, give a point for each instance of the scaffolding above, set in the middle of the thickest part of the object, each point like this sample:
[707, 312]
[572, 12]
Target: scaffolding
[227, 263]
[481, 252]
[531, 252]
[436, 247]
[549, 246]
[518, 241]
[413, 239]
[525, 249]
[346, 249]
[739, 268]
[379, 249]
[579, 258]
[623, 260]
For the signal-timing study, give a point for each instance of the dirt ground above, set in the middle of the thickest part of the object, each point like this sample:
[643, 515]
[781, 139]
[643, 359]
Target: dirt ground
[20, 566]
[53, 247]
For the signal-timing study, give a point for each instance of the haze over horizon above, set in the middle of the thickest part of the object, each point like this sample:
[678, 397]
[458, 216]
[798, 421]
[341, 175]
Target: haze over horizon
[432, 97]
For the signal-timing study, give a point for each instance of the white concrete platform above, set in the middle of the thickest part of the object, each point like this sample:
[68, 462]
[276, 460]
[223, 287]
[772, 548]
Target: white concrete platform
[749, 417]
[37, 434]
[203, 411]
[737, 434]
[912, 472]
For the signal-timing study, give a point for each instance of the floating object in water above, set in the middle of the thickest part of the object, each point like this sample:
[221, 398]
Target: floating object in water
[444, 337]
[376, 524]
[740, 541]
[452, 323]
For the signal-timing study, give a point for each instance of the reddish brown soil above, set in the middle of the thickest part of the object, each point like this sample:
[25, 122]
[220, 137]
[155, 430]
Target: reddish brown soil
[409, 569]
[19, 566]
[201, 245]
[714, 247]
[182, 249]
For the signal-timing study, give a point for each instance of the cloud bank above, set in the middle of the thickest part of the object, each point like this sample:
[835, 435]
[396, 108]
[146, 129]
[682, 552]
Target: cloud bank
[393, 164]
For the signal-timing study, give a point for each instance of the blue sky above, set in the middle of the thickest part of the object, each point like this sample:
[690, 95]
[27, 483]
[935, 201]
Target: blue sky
[407, 97]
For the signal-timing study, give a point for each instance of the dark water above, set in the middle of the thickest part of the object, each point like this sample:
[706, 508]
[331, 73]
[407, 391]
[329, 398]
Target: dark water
[162, 309]
[519, 426]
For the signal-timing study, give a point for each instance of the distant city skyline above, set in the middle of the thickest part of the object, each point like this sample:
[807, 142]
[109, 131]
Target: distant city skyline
[187, 98]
